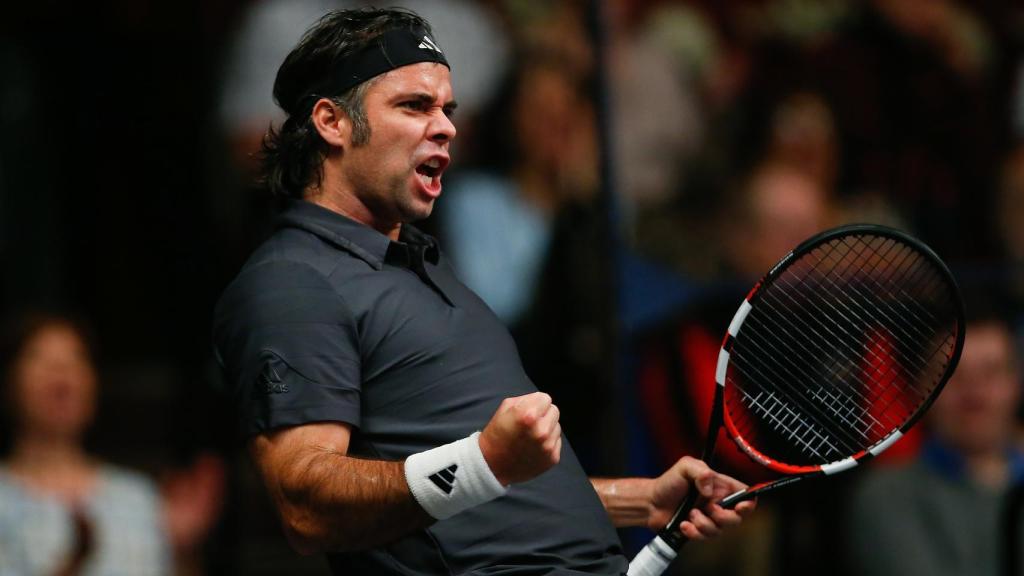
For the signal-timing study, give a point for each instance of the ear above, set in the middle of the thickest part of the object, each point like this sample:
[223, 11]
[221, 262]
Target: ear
[332, 123]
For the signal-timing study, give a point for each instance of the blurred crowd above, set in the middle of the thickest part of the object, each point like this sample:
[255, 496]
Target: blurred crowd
[624, 170]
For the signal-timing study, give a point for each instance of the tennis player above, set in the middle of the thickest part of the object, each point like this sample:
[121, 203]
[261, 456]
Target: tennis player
[384, 404]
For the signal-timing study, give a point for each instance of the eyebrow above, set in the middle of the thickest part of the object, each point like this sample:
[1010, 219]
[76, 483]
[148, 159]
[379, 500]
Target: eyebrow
[425, 98]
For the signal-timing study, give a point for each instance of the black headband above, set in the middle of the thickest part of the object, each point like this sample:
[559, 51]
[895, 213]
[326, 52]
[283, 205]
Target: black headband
[392, 49]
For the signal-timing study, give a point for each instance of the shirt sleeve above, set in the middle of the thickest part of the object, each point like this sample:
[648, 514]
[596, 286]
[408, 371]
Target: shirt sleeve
[288, 346]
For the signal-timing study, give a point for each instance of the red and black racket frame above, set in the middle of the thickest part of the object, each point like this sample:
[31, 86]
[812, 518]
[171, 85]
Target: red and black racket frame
[670, 534]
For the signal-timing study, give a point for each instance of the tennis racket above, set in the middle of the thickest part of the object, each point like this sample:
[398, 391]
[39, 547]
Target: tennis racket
[831, 357]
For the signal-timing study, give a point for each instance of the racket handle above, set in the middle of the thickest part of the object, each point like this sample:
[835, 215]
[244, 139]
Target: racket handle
[662, 550]
[670, 534]
[736, 497]
[653, 559]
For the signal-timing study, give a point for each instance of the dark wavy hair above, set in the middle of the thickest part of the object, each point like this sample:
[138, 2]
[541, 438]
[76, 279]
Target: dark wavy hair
[291, 156]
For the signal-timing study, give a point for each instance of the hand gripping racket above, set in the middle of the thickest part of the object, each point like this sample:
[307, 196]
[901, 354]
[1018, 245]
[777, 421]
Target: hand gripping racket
[832, 356]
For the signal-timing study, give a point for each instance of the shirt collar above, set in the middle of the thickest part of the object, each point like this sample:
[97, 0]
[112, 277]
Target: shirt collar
[360, 240]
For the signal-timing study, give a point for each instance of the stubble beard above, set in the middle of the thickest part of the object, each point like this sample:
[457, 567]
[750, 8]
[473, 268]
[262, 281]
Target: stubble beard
[411, 211]
[395, 202]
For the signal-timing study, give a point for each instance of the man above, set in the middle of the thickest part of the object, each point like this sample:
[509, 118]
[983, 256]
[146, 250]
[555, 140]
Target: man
[362, 369]
[942, 513]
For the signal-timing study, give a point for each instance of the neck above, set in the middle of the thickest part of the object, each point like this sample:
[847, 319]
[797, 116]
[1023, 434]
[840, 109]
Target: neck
[36, 453]
[354, 210]
[339, 198]
[56, 467]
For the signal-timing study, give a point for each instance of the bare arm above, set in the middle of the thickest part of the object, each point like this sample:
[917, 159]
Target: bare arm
[328, 500]
[650, 502]
[627, 500]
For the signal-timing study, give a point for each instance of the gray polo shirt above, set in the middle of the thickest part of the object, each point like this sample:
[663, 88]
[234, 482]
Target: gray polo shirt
[329, 320]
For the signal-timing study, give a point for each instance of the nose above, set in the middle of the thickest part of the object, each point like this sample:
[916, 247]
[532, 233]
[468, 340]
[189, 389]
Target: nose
[442, 130]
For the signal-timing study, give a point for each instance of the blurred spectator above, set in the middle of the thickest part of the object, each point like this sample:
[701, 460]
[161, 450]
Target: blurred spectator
[778, 206]
[782, 206]
[657, 120]
[889, 102]
[497, 220]
[557, 29]
[267, 31]
[940, 514]
[781, 203]
[671, 77]
[524, 231]
[63, 511]
[803, 137]
[908, 81]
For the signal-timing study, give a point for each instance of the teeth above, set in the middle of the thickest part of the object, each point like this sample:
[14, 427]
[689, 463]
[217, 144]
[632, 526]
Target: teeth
[433, 163]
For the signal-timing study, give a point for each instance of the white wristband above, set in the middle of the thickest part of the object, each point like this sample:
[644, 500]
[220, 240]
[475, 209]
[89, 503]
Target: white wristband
[449, 479]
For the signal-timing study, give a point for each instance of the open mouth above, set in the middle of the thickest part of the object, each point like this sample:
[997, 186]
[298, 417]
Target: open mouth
[430, 172]
[430, 168]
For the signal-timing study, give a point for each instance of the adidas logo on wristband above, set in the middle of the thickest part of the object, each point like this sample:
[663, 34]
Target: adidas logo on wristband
[431, 476]
[445, 478]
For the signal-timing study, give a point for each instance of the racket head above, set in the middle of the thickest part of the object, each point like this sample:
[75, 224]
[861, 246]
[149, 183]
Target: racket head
[839, 349]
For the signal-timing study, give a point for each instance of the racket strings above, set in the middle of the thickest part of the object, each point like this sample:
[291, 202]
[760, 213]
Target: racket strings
[803, 283]
[809, 410]
[892, 325]
[840, 370]
[879, 305]
[835, 406]
[920, 363]
[871, 352]
[769, 363]
[871, 307]
[754, 370]
[837, 370]
[918, 266]
[833, 399]
[930, 329]
[796, 428]
[789, 422]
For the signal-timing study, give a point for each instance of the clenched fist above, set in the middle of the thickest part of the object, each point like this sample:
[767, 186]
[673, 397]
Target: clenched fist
[523, 438]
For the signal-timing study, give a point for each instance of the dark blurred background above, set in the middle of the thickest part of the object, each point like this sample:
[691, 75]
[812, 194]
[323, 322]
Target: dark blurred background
[624, 171]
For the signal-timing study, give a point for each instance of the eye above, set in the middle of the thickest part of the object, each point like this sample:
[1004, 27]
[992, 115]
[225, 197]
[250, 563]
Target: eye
[417, 105]
[449, 111]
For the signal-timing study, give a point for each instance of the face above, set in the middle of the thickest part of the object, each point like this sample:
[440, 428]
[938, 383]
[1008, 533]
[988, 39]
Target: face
[803, 136]
[54, 385]
[975, 412]
[547, 116]
[396, 176]
[786, 207]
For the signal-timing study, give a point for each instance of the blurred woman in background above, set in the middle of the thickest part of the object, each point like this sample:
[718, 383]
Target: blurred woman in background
[62, 510]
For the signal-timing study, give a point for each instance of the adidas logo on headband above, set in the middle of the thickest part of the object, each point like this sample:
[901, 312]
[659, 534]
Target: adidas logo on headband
[392, 49]
[428, 44]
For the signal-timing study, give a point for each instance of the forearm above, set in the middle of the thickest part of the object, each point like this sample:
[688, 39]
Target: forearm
[336, 502]
[330, 501]
[627, 500]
